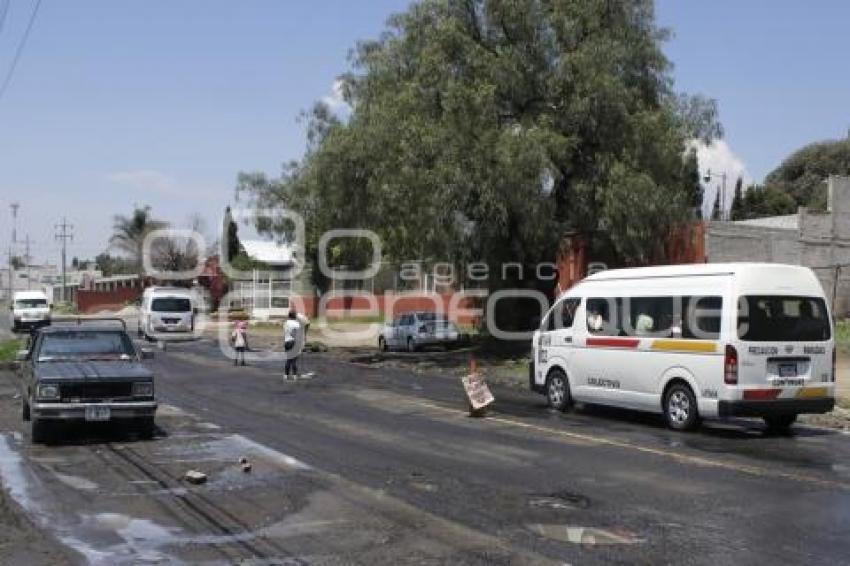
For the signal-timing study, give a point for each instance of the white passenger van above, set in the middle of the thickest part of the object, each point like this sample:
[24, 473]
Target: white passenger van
[691, 341]
[29, 309]
[167, 313]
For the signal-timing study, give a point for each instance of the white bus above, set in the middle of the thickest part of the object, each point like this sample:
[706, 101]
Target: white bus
[691, 341]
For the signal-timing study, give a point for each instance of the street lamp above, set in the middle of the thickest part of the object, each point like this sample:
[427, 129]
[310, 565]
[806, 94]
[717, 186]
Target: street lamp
[707, 178]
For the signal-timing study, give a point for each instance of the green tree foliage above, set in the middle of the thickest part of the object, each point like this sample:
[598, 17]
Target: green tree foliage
[760, 201]
[17, 262]
[802, 175]
[486, 129]
[113, 265]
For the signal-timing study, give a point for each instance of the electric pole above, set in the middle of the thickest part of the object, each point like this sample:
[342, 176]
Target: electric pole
[63, 234]
[14, 206]
[27, 258]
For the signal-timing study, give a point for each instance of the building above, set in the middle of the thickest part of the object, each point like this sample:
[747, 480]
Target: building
[47, 278]
[819, 240]
[265, 291]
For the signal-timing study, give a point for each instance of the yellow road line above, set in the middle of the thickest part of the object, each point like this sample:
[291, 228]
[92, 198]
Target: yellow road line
[684, 346]
[684, 458]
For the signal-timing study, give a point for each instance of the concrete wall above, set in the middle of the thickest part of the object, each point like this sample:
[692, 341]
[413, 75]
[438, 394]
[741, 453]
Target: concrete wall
[822, 242]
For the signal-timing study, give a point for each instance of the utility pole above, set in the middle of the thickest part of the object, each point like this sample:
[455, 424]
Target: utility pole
[14, 206]
[27, 258]
[63, 234]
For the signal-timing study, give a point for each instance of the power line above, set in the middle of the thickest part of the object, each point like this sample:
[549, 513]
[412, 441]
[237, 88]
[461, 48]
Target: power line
[19, 51]
[4, 11]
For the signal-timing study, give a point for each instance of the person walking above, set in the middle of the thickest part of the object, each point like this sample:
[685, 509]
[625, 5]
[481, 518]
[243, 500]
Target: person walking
[239, 340]
[291, 345]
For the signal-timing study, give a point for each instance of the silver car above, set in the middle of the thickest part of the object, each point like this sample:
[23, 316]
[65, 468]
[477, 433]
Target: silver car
[415, 330]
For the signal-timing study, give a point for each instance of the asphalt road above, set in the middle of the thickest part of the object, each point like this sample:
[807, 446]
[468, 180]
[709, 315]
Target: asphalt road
[383, 466]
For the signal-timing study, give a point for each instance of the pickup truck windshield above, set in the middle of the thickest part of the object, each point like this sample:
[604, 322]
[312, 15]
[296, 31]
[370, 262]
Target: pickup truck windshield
[86, 344]
[171, 304]
[30, 303]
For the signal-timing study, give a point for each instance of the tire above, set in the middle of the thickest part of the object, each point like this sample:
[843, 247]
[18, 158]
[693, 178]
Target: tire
[25, 410]
[680, 408]
[780, 423]
[145, 427]
[382, 344]
[411, 345]
[558, 390]
[139, 332]
[41, 432]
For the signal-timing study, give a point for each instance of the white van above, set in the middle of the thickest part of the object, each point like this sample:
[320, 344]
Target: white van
[691, 341]
[167, 313]
[29, 309]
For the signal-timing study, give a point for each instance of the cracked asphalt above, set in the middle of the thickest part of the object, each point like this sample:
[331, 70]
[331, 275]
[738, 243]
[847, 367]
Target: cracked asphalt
[378, 465]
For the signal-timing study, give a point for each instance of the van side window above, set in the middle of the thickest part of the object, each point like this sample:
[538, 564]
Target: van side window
[603, 316]
[702, 317]
[563, 314]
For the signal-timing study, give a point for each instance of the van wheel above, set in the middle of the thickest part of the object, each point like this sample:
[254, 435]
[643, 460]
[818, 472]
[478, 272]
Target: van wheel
[411, 345]
[382, 344]
[680, 408]
[25, 410]
[780, 423]
[558, 390]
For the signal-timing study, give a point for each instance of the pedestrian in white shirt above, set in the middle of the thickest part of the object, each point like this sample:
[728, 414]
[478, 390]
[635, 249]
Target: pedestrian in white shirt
[292, 343]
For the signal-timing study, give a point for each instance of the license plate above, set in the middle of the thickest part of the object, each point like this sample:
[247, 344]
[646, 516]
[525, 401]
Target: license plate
[98, 413]
[787, 370]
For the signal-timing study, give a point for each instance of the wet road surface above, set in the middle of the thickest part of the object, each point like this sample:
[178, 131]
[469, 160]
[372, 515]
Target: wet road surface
[383, 466]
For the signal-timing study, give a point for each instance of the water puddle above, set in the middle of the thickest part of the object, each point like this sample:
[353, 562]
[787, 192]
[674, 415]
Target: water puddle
[588, 536]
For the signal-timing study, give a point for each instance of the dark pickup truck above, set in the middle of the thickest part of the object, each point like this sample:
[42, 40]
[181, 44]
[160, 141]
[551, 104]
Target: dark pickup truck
[88, 370]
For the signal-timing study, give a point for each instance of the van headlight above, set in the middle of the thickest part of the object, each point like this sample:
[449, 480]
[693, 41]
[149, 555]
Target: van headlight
[48, 391]
[143, 389]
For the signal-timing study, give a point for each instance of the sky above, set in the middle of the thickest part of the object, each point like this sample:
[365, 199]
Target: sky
[163, 102]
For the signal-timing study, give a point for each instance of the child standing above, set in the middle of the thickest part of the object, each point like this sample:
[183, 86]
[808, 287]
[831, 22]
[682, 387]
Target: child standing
[239, 339]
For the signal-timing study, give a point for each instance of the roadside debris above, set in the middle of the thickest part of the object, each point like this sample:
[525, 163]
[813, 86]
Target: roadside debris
[246, 467]
[477, 393]
[195, 477]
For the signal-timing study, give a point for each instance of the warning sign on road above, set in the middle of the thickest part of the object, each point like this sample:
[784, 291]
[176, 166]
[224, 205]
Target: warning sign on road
[476, 391]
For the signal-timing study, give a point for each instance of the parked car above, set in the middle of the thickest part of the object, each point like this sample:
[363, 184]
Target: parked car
[86, 370]
[29, 309]
[415, 330]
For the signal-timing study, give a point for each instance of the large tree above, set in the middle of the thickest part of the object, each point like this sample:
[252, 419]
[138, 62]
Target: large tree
[486, 129]
[802, 174]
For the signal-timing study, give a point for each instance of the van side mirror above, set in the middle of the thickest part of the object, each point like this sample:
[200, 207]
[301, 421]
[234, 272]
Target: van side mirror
[22, 355]
[147, 354]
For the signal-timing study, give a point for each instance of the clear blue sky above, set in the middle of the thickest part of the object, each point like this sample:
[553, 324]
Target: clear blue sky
[163, 102]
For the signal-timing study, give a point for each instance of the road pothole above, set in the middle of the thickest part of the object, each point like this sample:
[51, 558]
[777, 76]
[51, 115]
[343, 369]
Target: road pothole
[562, 500]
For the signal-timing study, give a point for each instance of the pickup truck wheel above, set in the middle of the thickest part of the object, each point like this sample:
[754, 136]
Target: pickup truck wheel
[41, 432]
[145, 427]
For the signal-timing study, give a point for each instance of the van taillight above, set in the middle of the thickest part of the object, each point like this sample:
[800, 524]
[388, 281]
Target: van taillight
[834, 364]
[730, 366]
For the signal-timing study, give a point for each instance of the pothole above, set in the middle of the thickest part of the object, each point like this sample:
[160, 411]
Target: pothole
[562, 500]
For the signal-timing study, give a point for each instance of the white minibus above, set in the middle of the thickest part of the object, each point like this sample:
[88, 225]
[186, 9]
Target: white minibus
[167, 313]
[691, 342]
[28, 310]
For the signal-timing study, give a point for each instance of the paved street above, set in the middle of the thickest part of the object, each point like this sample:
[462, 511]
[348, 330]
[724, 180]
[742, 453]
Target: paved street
[383, 466]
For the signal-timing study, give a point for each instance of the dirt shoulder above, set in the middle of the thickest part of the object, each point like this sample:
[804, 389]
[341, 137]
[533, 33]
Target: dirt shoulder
[21, 542]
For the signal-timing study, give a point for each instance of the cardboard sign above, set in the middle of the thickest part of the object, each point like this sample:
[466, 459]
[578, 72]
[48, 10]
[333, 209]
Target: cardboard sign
[477, 391]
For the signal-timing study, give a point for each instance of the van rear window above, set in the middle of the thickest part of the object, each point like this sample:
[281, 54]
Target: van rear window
[782, 319]
[171, 304]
